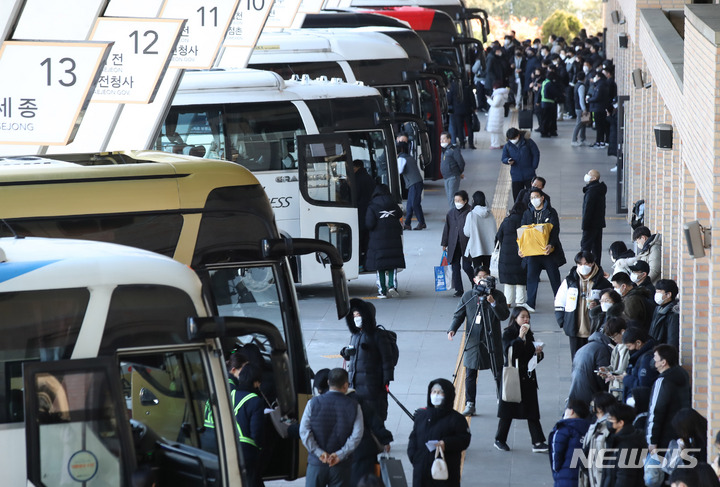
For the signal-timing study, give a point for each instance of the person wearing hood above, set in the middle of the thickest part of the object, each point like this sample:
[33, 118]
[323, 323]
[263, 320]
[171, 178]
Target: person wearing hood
[480, 228]
[482, 307]
[364, 187]
[521, 153]
[649, 249]
[539, 212]
[250, 419]
[585, 381]
[385, 247]
[565, 438]
[408, 167]
[369, 356]
[665, 323]
[577, 295]
[593, 214]
[454, 241]
[496, 114]
[670, 393]
[641, 371]
[626, 463]
[518, 340]
[438, 424]
[452, 167]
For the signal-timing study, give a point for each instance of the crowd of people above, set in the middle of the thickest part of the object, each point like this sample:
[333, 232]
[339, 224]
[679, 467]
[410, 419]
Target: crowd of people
[627, 392]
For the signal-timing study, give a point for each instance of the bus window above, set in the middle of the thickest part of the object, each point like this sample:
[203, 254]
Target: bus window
[159, 233]
[398, 98]
[144, 315]
[326, 175]
[331, 69]
[369, 147]
[242, 290]
[35, 325]
[193, 131]
[262, 135]
[168, 392]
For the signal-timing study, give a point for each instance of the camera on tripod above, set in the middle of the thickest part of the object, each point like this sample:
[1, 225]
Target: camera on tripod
[485, 286]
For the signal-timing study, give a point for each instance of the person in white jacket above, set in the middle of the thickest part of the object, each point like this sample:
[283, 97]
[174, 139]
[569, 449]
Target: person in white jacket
[480, 227]
[496, 114]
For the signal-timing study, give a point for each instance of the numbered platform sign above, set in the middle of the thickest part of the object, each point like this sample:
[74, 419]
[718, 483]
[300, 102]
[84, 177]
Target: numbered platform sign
[45, 88]
[248, 22]
[207, 24]
[139, 57]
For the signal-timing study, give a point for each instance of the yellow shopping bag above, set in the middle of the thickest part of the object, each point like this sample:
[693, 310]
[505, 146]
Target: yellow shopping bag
[532, 239]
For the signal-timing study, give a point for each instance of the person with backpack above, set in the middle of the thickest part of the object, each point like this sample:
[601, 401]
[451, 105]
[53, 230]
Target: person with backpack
[371, 356]
[565, 438]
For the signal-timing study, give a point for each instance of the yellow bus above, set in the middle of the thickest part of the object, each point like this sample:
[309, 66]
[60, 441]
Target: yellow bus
[211, 215]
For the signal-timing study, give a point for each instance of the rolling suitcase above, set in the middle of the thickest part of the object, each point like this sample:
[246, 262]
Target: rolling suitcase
[525, 116]
[392, 472]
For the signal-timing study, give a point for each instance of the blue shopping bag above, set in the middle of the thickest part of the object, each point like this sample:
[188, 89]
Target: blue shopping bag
[441, 274]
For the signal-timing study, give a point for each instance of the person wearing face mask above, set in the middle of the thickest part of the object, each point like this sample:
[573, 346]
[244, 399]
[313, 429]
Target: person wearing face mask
[641, 371]
[452, 166]
[524, 194]
[649, 249]
[639, 304]
[639, 274]
[482, 313]
[665, 324]
[539, 212]
[496, 119]
[628, 443]
[369, 356]
[578, 293]
[593, 214]
[454, 241]
[611, 306]
[598, 103]
[621, 257]
[438, 424]
[518, 340]
[565, 438]
[521, 153]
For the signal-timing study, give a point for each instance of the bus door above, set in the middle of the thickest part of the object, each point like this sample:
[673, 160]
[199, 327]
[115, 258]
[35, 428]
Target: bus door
[328, 208]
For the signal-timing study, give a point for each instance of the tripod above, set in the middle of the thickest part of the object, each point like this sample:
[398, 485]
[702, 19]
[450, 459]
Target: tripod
[484, 316]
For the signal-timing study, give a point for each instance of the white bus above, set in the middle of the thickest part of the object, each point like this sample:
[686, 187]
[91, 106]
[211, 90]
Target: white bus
[95, 334]
[365, 55]
[299, 138]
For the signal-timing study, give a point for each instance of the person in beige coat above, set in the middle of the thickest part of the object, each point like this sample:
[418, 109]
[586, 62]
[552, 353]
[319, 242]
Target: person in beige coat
[650, 250]
[480, 228]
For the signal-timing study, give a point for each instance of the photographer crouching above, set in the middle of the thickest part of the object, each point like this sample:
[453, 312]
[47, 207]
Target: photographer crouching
[482, 306]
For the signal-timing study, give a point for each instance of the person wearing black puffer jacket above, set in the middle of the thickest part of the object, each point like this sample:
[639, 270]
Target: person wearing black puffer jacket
[438, 422]
[375, 434]
[629, 444]
[670, 393]
[385, 248]
[369, 356]
[580, 290]
[510, 270]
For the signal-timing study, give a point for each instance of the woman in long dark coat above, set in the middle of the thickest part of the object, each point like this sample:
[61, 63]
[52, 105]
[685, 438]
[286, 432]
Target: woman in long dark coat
[510, 269]
[518, 337]
[385, 247]
[455, 242]
[438, 422]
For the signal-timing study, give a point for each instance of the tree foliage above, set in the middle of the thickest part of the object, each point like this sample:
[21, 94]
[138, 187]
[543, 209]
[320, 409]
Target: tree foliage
[562, 24]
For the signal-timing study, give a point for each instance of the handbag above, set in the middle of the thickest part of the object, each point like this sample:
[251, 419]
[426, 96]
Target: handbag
[586, 118]
[672, 457]
[441, 274]
[439, 469]
[653, 475]
[511, 381]
[475, 123]
[495, 260]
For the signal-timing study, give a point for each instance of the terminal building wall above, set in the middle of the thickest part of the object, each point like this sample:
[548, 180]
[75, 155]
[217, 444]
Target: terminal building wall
[676, 45]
